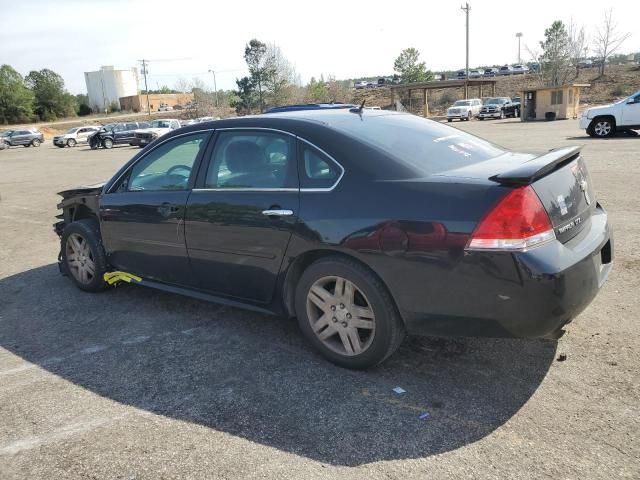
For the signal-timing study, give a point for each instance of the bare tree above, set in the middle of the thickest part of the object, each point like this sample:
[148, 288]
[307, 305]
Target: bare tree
[280, 77]
[607, 40]
[577, 45]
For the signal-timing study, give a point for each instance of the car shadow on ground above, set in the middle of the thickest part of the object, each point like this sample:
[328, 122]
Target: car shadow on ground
[254, 376]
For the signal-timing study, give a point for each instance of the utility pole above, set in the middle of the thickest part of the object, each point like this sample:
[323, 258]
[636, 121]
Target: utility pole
[466, 10]
[215, 88]
[145, 63]
[519, 36]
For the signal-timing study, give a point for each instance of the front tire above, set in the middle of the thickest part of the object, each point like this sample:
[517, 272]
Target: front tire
[346, 312]
[35, 142]
[83, 257]
[603, 127]
[107, 143]
[71, 143]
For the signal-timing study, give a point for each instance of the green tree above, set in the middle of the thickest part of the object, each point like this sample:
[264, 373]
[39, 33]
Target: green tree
[82, 104]
[51, 99]
[246, 95]
[16, 100]
[556, 54]
[255, 54]
[410, 69]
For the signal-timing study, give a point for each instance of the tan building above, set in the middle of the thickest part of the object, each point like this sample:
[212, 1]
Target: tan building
[547, 103]
[138, 103]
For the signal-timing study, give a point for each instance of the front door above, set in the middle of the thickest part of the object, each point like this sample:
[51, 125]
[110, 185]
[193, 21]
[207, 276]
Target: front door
[240, 217]
[142, 220]
[631, 111]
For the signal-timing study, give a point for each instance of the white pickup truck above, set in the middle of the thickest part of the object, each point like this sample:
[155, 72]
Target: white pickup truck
[158, 128]
[606, 120]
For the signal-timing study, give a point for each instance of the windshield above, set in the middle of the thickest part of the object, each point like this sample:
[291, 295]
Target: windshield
[495, 101]
[6, 134]
[160, 124]
[462, 103]
[72, 130]
[425, 146]
[110, 126]
[630, 97]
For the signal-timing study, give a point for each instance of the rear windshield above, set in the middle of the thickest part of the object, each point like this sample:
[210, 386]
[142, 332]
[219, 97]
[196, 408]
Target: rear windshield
[427, 147]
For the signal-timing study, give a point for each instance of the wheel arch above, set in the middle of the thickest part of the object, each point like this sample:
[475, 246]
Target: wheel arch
[304, 260]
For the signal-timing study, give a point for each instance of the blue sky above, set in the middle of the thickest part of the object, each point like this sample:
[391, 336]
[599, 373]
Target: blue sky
[345, 39]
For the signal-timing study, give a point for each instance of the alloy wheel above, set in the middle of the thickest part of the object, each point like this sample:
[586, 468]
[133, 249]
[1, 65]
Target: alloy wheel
[80, 259]
[602, 128]
[340, 315]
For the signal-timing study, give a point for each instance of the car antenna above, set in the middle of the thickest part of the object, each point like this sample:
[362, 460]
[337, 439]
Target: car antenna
[359, 109]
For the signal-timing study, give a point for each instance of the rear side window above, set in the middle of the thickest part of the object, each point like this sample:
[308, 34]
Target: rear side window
[425, 146]
[317, 170]
[252, 160]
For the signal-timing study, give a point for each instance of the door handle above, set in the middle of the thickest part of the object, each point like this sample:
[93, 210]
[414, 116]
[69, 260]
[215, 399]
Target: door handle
[277, 213]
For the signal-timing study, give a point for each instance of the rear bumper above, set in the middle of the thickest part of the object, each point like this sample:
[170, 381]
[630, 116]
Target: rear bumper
[526, 294]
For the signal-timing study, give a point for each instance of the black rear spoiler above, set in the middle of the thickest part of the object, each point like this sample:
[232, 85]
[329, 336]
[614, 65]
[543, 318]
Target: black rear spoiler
[538, 167]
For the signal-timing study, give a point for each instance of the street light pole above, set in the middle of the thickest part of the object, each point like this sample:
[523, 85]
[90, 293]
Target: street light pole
[145, 63]
[466, 9]
[215, 87]
[519, 36]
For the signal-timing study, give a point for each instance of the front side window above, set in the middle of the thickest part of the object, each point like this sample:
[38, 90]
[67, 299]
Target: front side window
[167, 167]
[252, 160]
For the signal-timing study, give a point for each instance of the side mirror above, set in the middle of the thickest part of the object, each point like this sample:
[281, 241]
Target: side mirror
[631, 100]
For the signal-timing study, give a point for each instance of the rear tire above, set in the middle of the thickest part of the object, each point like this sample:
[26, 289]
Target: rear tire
[83, 257]
[352, 319]
[449, 120]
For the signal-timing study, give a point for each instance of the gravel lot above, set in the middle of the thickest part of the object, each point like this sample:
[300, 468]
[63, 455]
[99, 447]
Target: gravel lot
[138, 384]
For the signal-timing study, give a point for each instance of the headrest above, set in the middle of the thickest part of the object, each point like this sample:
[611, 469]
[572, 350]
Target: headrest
[244, 157]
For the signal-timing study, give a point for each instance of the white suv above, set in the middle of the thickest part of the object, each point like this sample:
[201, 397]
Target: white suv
[606, 120]
[74, 136]
[464, 109]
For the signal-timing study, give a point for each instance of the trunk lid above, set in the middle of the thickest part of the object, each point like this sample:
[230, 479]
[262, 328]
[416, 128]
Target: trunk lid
[568, 196]
[560, 179]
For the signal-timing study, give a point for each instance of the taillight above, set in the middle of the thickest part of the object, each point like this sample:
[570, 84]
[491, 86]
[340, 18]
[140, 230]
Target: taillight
[518, 222]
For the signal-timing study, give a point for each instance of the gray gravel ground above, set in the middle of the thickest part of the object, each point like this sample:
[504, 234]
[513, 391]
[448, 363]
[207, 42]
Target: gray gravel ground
[138, 384]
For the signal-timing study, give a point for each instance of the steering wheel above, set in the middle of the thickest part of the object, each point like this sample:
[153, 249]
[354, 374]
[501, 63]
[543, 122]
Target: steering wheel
[179, 167]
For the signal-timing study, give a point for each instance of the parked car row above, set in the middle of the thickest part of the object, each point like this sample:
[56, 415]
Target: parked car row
[494, 71]
[132, 133]
[494, 107]
[381, 82]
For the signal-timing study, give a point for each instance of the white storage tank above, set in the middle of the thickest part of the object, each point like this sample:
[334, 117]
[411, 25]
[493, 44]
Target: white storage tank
[107, 85]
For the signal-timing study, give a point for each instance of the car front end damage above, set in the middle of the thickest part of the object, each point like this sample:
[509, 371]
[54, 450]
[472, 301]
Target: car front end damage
[77, 203]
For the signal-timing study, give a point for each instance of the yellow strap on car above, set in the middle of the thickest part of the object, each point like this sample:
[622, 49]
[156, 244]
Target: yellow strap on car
[114, 277]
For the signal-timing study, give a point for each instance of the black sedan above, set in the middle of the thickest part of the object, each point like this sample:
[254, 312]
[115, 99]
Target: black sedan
[365, 225]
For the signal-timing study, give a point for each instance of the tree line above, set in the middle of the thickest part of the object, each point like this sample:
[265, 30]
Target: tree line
[40, 95]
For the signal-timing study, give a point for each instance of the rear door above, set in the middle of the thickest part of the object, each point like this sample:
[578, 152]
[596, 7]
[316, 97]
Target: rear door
[83, 134]
[142, 216]
[20, 137]
[240, 218]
